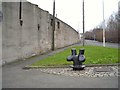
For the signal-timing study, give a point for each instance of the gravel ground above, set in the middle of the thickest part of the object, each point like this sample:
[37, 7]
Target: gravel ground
[87, 72]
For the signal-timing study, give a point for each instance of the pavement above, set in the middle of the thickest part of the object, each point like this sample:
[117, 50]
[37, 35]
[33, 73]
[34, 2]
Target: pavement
[13, 76]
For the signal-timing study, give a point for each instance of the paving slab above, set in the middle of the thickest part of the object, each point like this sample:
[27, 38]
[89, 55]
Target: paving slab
[103, 69]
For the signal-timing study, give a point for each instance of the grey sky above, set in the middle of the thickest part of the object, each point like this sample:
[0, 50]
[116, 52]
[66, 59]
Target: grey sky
[70, 11]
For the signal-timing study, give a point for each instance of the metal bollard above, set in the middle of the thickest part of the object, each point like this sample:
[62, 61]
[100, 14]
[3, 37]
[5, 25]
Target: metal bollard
[73, 51]
[77, 59]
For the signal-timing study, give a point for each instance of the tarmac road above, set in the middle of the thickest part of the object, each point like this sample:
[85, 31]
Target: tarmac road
[96, 43]
[13, 76]
[16, 77]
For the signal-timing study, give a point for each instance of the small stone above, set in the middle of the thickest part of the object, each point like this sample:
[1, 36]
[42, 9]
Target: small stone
[111, 74]
[105, 75]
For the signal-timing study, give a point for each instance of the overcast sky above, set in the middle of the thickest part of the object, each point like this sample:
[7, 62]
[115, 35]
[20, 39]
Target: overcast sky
[70, 11]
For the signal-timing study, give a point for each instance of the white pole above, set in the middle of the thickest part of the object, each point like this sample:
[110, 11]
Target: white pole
[83, 26]
[103, 27]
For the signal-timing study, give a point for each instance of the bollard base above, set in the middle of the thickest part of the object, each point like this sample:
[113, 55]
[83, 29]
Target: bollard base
[77, 67]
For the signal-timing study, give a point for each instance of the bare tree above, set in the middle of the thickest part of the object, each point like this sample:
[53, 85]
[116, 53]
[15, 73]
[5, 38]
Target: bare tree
[111, 30]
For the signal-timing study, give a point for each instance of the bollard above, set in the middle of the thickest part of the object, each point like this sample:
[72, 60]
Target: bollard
[73, 51]
[77, 59]
[81, 56]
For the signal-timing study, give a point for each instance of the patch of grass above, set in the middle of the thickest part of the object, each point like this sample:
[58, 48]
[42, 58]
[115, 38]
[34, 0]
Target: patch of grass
[93, 54]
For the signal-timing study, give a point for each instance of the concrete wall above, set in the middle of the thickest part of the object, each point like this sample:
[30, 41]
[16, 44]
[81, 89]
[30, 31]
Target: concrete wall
[10, 32]
[34, 36]
[29, 37]
[65, 35]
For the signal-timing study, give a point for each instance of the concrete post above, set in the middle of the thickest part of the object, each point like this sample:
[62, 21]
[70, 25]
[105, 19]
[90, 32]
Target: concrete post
[83, 25]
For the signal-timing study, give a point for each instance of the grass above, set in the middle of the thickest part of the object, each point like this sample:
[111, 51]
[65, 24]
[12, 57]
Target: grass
[93, 54]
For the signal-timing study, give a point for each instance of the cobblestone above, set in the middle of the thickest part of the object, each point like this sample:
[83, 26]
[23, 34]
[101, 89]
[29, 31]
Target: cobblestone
[87, 72]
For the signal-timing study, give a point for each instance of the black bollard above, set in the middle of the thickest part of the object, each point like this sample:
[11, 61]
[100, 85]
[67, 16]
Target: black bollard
[81, 56]
[73, 54]
[77, 59]
[81, 51]
[73, 51]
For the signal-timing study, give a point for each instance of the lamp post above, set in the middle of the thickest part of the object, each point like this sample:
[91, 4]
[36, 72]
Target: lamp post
[83, 26]
[103, 27]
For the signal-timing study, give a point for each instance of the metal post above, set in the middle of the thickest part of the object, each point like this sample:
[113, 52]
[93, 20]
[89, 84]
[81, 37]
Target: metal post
[103, 27]
[83, 26]
[21, 22]
[20, 10]
[53, 25]
[94, 37]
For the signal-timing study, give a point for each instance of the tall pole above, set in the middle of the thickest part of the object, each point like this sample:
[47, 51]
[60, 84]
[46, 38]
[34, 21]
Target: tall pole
[103, 27]
[53, 25]
[83, 26]
[21, 23]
